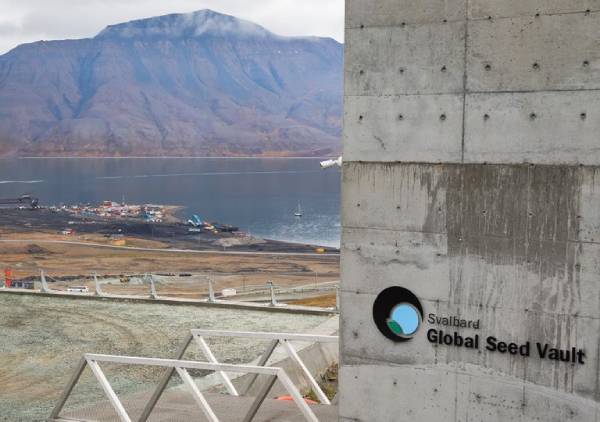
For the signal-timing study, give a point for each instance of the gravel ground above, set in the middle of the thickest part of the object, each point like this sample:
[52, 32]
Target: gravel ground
[42, 339]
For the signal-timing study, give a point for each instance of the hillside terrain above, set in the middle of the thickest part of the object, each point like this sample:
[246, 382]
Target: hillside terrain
[203, 84]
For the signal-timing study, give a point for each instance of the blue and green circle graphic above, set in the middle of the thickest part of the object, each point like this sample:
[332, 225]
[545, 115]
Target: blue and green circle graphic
[398, 313]
[404, 320]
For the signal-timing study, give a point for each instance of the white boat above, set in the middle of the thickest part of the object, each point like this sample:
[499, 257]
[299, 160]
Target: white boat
[298, 212]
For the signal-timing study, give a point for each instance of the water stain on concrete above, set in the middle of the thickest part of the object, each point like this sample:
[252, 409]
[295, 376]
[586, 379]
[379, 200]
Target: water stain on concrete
[516, 216]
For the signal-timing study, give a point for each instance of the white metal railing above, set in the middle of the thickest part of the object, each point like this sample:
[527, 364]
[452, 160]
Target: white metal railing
[269, 289]
[180, 367]
[276, 338]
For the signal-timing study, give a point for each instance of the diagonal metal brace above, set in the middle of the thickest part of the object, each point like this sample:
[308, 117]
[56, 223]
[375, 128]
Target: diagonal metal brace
[260, 398]
[261, 362]
[160, 388]
[67, 391]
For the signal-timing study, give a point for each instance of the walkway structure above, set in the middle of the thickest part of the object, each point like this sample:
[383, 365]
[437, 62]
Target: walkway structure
[181, 367]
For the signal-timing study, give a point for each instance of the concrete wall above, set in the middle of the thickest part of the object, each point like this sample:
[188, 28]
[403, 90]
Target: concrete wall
[472, 177]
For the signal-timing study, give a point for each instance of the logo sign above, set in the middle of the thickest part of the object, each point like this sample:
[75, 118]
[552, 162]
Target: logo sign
[397, 313]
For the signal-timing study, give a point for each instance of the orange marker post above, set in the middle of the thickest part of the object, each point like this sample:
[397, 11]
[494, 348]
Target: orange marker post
[7, 277]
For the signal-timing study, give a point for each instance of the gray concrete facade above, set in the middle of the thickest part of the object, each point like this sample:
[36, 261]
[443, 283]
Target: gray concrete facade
[471, 177]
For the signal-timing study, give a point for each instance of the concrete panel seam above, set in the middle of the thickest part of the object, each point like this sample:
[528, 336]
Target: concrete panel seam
[358, 292]
[370, 362]
[586, 12]
[386, 229]
[475, 92]
[482, 236]
[407, 24]
[533, 91]
[597, 375]
[452, 367]
[440, 164]
[501, 308]
[465, 84]
[412, 94]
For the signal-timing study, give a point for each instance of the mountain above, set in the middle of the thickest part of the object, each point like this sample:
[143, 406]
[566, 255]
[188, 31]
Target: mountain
[201, 83]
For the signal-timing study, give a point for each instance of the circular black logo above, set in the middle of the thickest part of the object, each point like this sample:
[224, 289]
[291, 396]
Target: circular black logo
[397, 313]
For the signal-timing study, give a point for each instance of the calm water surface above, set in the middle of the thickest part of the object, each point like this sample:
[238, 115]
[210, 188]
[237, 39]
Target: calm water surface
[258, 195]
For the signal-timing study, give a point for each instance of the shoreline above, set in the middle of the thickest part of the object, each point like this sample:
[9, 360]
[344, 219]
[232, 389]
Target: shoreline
[121, 251]
[172, 233]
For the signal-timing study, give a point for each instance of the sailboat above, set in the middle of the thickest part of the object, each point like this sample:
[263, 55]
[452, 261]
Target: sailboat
[298, 212]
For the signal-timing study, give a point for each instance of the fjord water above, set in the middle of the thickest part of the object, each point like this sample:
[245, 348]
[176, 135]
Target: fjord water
[259, 195]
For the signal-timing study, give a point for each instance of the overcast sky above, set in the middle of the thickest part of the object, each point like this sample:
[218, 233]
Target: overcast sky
[32, 20]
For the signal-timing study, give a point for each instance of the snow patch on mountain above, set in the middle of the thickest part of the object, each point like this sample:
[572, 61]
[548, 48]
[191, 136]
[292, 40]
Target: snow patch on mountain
[186, 25]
